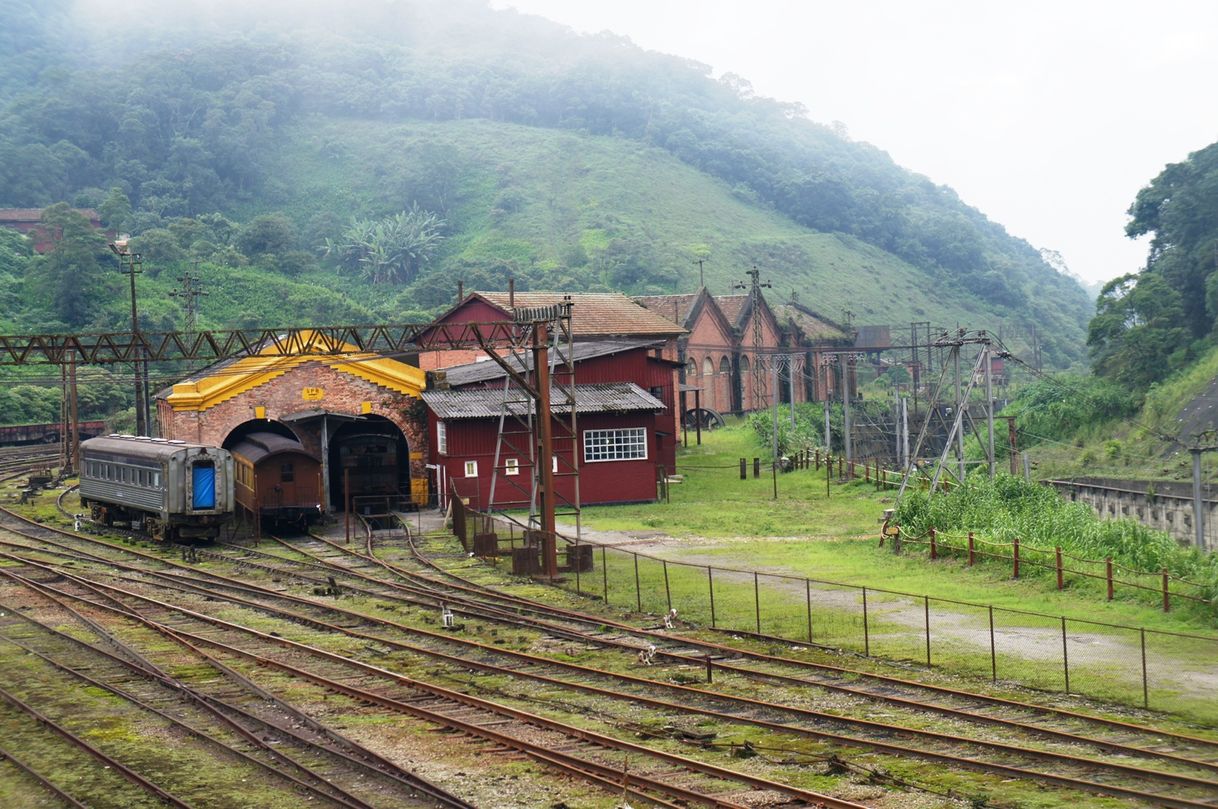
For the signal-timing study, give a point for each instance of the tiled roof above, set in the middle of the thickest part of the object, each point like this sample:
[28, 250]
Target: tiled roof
[733, 307]
[459, 375]
[812, 325]
[480, 403]
[35, 214]
[676, 308]
[596, 314]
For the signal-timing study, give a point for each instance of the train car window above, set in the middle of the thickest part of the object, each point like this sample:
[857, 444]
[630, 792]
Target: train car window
[287, 473]
[156, 480]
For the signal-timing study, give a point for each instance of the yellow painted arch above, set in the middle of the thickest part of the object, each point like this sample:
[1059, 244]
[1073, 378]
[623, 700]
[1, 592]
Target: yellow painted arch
[248, 373]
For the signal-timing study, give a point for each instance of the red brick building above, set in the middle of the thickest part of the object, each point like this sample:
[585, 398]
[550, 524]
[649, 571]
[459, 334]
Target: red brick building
[29, 222]
[337, 406]
[719, 356]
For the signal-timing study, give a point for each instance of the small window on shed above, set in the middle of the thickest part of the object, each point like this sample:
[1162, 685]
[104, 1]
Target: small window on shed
[511, 466]
[287, 473]
[471, 469]
[441, 438]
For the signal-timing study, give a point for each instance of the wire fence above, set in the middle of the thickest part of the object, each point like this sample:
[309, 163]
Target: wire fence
[1024, 559]
[1122, 663]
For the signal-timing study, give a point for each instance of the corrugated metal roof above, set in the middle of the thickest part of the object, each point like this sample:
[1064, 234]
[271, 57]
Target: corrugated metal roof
[595, 313]
[484, 370]
[616, 397]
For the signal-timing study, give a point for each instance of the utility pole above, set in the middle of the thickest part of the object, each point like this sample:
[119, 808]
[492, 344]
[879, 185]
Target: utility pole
[189, 292]
[989, 404]
[701, 275]
[846, 374]
[545, 449]
[905, 433]
[756, 376]
[774, 409]
[131, 265]
[960, 433]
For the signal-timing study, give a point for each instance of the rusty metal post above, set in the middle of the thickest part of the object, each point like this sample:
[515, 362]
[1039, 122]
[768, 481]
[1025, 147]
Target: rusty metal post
[667, 591]
[1145, 684]
[710, 588]
[757, 600]
[545, 450]
[808, 594]
[709, 675]
[866, 629]
[638, 591]
[1108, 575]
[970, 548]
[1065, 656]
[934, 545]
[993, 649]
[866, 472]
[926, 606]
[1057, 553]
[577, 563]
[1166, 595]
[1015, 556]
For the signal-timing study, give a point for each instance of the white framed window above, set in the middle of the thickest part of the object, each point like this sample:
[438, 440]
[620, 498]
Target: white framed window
[511, 466]
[441, 438]
[471, 469]
[628, 444]
[554, 463]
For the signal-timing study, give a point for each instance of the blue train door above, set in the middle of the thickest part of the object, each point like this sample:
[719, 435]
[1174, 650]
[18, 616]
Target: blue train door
[203, 485]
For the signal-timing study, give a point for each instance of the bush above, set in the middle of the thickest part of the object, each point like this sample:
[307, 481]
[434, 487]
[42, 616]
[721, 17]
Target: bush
[1009, 507]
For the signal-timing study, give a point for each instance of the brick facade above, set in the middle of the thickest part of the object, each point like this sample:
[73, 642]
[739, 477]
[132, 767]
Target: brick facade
[284, 396]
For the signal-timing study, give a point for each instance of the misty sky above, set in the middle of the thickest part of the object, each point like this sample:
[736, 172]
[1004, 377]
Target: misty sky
[1047, 116]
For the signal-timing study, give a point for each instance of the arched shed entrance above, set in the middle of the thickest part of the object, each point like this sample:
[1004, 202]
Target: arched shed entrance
[369, 461]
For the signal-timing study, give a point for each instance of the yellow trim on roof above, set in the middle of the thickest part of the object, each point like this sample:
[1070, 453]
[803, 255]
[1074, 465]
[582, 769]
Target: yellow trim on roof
[248, 373]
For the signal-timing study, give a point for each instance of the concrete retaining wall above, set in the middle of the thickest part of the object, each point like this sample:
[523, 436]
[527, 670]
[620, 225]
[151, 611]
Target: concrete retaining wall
[1165, 505]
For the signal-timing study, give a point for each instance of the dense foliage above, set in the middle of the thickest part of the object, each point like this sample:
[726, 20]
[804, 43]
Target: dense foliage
[194, 118]
[1009, 507]
[1152, 323]
[1064, 408]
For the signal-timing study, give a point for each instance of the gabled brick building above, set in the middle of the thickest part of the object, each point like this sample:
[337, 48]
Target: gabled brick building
[719, 355]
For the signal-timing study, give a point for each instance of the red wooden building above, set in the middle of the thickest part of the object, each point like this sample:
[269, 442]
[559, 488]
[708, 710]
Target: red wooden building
[625, 439]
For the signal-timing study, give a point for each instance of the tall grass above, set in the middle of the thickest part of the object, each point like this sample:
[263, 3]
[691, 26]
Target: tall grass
[1009, 507]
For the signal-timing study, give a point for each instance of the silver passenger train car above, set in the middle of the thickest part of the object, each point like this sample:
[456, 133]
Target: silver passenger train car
[171, 490]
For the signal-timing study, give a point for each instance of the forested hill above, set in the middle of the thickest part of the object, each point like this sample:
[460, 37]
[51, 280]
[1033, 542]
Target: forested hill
[257, 141]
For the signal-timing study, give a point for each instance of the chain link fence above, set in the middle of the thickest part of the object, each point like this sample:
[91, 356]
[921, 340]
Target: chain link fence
[1133, 665]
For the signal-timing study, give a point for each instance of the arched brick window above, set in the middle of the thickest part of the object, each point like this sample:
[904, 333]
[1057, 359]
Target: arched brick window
[708, 367]
[725, 366]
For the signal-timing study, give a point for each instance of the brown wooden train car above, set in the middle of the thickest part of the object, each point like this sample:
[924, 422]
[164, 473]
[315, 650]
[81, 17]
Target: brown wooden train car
[276, 479]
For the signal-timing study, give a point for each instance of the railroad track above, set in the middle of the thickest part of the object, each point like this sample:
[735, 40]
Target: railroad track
[1172, 777]
[575, 750]
[606, 774]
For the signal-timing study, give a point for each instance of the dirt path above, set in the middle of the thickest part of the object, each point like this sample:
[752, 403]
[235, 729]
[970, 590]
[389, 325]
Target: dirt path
[901, 622]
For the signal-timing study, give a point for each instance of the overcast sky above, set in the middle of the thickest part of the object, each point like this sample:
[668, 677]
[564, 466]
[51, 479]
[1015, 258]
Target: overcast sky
[1047, 116]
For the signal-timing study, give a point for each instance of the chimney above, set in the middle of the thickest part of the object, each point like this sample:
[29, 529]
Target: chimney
[512, 291]
[460, 291]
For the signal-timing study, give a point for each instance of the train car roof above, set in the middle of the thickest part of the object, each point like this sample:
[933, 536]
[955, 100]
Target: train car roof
[256, 446]
[143, 445]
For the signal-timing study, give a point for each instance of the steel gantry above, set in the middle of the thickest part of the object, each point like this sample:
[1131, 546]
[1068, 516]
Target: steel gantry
[533, 327]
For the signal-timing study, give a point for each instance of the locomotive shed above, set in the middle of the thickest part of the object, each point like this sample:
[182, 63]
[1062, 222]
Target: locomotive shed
[357, 413]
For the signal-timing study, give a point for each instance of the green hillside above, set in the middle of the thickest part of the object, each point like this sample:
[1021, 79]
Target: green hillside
[563, 210]
[382, 152]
